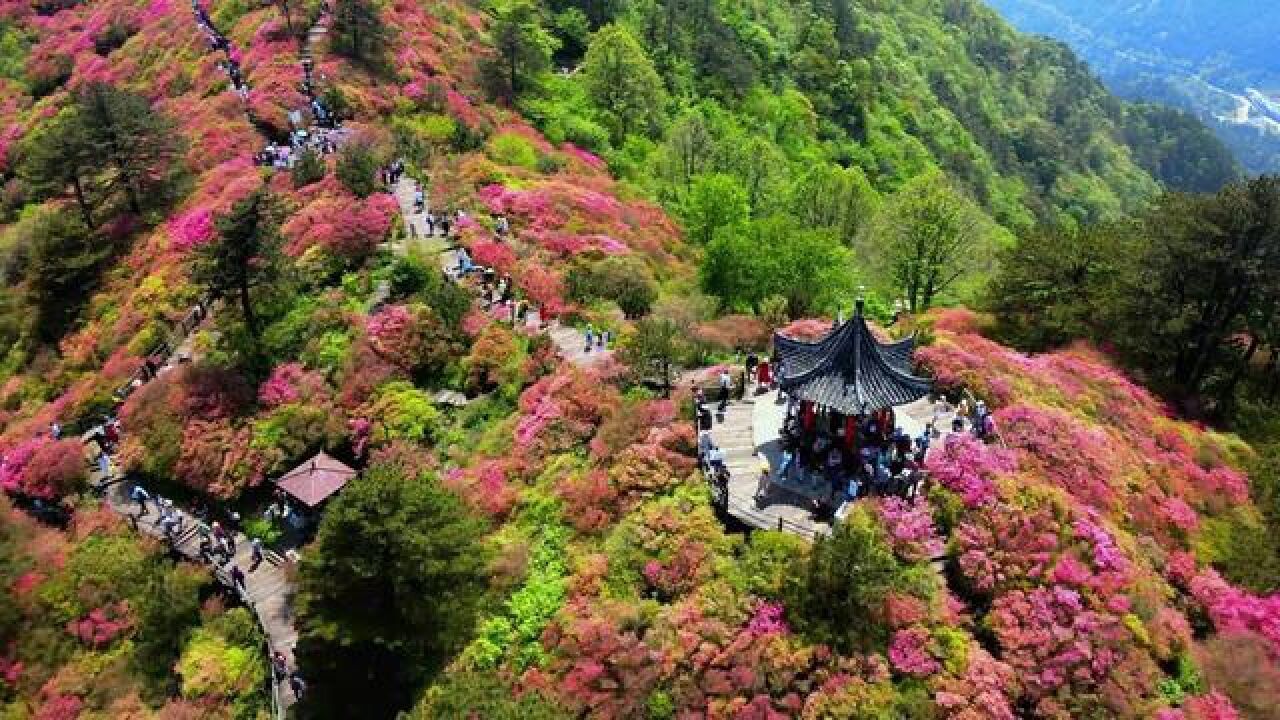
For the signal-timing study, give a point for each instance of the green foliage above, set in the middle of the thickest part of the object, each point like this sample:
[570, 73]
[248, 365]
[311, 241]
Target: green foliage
[267, 530]
[225, 661]
[512, 149]
[14, 46]
[63, 263]
[623, 279]
[1178, 149]
[660, 706]
[523, 48]
[1053, 282]
[309, 168]
[769, 563]
[657, 345]
[621, 81]
[745, 265]
[839, 599]
[410, 274]
[244, 255]
[402, 411]
[59, 157]
[714, 201]
[483, 695]
[357, 169]
[1242, 547]
[517, 634]
[359, 33]
[386, 543]
[140, 153]
[928, 240]
[167, 606]
[829, 196]
[1186, 294]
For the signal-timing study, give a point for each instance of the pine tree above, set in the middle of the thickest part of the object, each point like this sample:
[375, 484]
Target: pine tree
[62, 269]
[524, 49]
[244, 255]
[358, 33]
[59, 156]
[387, 595]
[139, 147]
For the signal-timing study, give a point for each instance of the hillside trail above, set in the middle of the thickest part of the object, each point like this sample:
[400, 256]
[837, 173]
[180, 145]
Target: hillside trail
[570, 343]
[269, 586]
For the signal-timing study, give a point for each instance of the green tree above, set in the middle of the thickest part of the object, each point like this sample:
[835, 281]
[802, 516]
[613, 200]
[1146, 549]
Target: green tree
[1054, 284]
[523, 48]
[387, 595]
[1207, 275]
[829, 196]
[484, 695]
[840, 598]
[747, 264]
[167, 607]
[621, 80]
[622, 279]
[357, 169]
[688, 150]
[929, 237]
[243, 256]
[359, 33]
[64, 259]
[714, 201]
[58, 155]
[140, 147]
[309, 168]
[657, 344]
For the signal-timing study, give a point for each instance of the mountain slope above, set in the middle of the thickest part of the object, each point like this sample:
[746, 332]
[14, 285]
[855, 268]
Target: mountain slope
[1215, 59]
[557, 553]
[897, 88]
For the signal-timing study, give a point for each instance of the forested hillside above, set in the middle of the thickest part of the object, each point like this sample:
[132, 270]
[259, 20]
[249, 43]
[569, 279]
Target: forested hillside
[1216, 58]
[389, 322]
[887, 89]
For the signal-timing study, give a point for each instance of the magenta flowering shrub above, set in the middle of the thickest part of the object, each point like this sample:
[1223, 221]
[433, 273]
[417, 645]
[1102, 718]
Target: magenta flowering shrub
[291, 383]
[1234, 610]
[1056, 446]
[102, 625]
[969, 467]
[408, 337]
[909, 527]
[43, 467]
[340, 223]
[192, 229]
[982, 693]
[768, 618]
[1051, 638]
[909, 653]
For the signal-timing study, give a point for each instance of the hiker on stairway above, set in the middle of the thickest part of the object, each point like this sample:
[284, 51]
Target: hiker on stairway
[140, 496]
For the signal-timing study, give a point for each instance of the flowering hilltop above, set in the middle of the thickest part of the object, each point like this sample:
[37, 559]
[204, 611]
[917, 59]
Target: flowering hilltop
[1091, 562]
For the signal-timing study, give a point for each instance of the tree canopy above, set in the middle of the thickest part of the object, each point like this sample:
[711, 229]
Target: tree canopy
[390, 588]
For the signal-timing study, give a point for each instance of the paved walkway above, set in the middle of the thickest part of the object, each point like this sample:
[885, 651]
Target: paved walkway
[268, 589]
[748, 431]
[734, 433]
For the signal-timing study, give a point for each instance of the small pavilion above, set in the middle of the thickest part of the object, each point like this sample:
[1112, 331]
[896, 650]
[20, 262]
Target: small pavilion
[849, 371]
[839, 435]
[313, 481]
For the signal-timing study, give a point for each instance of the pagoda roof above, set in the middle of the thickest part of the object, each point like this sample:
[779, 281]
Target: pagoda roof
[316, 479]
[849, 370]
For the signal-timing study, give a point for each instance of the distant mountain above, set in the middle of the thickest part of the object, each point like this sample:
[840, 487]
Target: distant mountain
[1216, 58]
